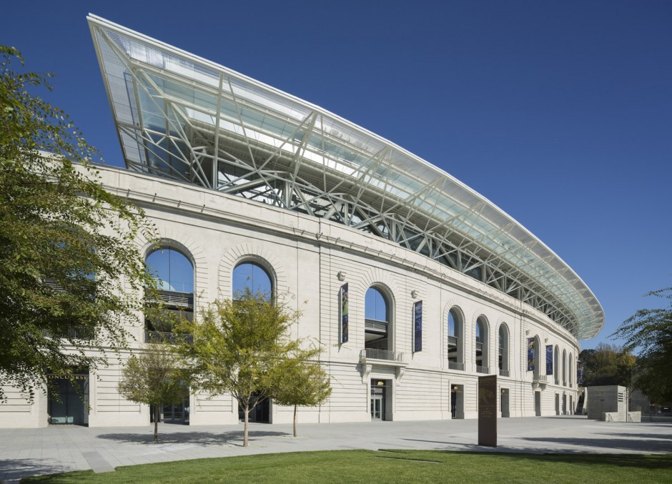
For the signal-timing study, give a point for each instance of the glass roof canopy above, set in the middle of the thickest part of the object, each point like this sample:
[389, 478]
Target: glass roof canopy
[186, 118]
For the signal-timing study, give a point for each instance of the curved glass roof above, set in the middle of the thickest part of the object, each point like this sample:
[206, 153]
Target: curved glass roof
[187, 118]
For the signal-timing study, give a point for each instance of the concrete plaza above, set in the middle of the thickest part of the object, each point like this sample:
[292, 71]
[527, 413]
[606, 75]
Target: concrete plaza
[25, 452]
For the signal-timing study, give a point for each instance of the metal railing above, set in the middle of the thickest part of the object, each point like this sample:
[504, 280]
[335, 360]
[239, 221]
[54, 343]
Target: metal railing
[482, 369]
[456, 365]
[176, 299]
[503, 372]
[166, 337]
[376, 354]
[539, 378]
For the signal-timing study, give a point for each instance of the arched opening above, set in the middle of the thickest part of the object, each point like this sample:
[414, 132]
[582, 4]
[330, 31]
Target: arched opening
[534, 358]
[252, 279]
[503, 354]
[377, 332]
[173, 272]
[564, 367]
[455, 339]
[556, 365]
[481, 345]
[571, 369]
[174, 275]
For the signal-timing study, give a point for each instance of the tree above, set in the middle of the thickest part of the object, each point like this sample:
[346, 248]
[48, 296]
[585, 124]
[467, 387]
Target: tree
[299, 381]
[650, 331]
[70, 272]
[606, 365]
[235, 348]
[153, 377]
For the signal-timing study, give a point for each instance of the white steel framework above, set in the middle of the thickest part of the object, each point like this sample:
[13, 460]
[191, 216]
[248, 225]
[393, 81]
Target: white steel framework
[185, 118]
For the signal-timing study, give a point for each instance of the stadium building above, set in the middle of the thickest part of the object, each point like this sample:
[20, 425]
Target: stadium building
[414, 284]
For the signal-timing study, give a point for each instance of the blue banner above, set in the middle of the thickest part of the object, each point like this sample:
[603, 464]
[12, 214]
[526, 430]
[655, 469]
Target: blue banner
[530, 354]
[344, 312]
[417, 319]
[549, 359]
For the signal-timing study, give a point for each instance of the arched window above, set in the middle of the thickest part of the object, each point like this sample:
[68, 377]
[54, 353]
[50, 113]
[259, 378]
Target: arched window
[377, 314]
[536, 369]
[174, 276]
[556, 365]
[481, 345]
[564, 367]
[503, 356]
[171, 269]
[571, 368]
[455, 340]
[251, 279]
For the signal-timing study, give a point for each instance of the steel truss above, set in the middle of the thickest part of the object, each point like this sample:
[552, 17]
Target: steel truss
[237, 146]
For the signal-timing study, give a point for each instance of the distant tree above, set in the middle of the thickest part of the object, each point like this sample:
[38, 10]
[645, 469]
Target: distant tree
[237, 344]
[650, 332]
[300, 381]
[606, 365]
[153, 377]
[71, 273]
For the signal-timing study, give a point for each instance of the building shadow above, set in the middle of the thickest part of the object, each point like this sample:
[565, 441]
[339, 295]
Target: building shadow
[645, 436]
[197, 438]
[635, 444]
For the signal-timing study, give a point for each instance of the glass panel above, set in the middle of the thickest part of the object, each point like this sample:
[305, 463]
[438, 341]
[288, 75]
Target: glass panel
[172, 270]
[376, 306]
[252, 278]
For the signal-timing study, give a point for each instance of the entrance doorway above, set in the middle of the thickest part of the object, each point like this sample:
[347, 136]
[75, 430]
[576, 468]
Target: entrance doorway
[557, 404]
[68, 400]
[504, 402]
[259, 414]
[378, 409]
[537, 404]
[564, 404]
[457, 401]
[571, 406]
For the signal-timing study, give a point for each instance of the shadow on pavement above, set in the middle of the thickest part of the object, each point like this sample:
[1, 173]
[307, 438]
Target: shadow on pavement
[200, 438]
[15, 469]
[645, 436]
[638, 444]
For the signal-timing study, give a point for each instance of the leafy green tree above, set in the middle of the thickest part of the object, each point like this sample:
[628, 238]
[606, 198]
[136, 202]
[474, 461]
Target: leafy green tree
[650, 332]
[153, 377]
[299, 381]
[236, 347]
[70, 272]
[606, 365]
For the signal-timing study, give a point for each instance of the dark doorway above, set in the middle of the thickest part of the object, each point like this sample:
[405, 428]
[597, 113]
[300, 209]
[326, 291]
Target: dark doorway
[68, 400]
[176, 413]
[557, 404]
[378, 407]
[537, 404]
[457, 401]
[504, 403]
[261, 413]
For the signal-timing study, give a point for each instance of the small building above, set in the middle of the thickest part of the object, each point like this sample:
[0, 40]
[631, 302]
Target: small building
[607, 402]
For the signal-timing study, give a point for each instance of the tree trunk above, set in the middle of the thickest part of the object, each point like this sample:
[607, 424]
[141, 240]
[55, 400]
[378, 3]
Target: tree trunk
[294, 426]
[157, 416]
[247, 412]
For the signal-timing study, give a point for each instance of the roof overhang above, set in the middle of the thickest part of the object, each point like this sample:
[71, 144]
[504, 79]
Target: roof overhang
[158, 91]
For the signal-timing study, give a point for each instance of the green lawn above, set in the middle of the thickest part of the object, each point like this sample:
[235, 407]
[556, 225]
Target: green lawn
[354, 466]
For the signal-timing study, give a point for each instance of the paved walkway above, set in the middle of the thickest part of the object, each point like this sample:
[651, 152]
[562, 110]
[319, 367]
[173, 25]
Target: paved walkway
[25, 452]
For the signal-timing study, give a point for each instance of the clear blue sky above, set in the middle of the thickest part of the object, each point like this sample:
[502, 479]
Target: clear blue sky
[560, 112]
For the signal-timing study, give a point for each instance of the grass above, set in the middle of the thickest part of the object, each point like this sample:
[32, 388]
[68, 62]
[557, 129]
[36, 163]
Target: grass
[361, 466]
